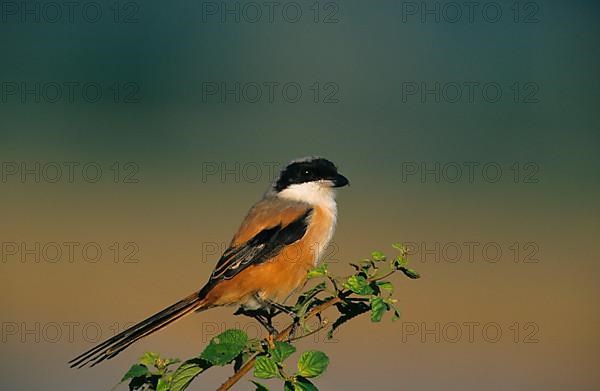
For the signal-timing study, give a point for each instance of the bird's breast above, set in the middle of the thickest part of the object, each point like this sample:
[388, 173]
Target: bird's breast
[320, 231]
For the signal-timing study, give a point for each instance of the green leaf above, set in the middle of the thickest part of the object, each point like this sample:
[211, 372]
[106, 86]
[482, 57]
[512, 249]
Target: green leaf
[399, 247]
[223, 348]
[282, 351]
[305, 299]
[288, 386]
[378, 256]
[149, 359]
[400, 262]
[410, 273]
[312, 363]
[318, 271]
[387, 285]
[259, 387]
[378, 308]
[187, 372]
[303, 384]
[162, 385]
[359, 285]
[265, 368]
[136, 370]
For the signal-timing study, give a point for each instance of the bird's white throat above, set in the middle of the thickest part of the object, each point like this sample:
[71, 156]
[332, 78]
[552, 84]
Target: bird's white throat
[321, 195]
[318, 193]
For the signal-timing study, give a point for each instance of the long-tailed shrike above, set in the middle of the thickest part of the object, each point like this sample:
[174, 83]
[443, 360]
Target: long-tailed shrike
[279, 241]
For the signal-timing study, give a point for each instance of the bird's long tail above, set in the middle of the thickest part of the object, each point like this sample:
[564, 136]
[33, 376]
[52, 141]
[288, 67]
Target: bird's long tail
[115, 345]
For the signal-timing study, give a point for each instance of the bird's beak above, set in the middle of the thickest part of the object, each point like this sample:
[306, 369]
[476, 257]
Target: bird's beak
[340, 181]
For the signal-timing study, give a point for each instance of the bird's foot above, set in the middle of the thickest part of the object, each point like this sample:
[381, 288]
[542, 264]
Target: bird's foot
[262, 316]
[293, 329]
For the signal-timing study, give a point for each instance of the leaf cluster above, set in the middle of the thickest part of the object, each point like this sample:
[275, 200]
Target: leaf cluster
[311, 364]
[367, 290]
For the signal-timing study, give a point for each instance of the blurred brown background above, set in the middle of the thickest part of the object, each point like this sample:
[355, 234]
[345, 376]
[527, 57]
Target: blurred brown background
[157, 171]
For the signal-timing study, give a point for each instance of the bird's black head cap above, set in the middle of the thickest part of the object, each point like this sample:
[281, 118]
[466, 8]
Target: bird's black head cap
[310, 169]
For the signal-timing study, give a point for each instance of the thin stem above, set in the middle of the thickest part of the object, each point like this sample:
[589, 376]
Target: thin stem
[285, 333]
[334, 283]
[279, 337]
[372, 279]
[323, 324]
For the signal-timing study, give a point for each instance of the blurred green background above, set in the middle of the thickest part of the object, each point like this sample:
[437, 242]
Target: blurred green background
[166, 121]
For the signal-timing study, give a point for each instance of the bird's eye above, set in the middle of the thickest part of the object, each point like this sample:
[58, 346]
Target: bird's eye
[305, 172]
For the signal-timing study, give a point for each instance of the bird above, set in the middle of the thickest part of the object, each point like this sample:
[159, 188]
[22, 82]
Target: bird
[281, 238]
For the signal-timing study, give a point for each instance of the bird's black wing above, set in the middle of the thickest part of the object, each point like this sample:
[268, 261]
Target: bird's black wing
[260, 248]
